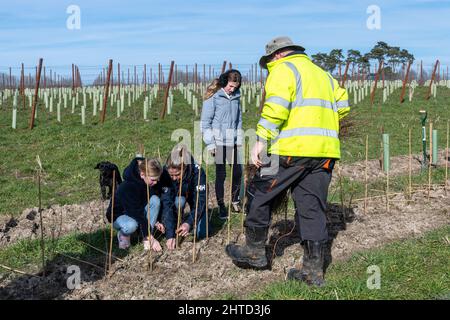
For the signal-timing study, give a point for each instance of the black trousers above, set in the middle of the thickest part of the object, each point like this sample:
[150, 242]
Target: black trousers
[308, 179]
[223, 156]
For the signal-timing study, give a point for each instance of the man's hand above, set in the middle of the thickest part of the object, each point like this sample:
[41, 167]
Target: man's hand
[170, 243]
[183, 230]
[257, 149]
[159, 226]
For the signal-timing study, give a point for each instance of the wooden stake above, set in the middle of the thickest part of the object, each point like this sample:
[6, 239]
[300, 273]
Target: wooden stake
[433, 76]
[405, 81]
[365, 175]
[166, 95]
[387, 190]
[105, 98]
[36, 91]
[377, 75]
[112, 220]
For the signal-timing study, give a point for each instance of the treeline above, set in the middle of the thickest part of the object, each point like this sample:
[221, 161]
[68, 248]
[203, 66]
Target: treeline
[392, 58]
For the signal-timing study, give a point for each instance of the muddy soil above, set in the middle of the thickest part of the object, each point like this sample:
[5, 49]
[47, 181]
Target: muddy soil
[57, 220]
[399, 166]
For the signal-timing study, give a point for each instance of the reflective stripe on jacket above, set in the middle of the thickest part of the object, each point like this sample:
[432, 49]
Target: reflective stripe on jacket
[302, 109]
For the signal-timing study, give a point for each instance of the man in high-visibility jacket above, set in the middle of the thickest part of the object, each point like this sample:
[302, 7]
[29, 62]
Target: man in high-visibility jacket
[299, 129]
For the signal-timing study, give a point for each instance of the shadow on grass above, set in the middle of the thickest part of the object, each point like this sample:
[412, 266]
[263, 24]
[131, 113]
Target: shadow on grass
[77, 250]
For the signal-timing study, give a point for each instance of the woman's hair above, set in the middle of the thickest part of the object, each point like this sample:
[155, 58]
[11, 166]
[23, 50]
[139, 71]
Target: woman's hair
[211, 89]
[150, 167]
[231, 75]
[178, 154]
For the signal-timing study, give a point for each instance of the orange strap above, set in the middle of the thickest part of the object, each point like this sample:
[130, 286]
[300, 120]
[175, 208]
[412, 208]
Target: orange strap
[327, 164]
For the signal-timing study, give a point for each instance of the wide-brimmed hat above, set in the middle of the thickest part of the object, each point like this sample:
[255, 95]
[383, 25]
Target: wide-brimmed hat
[277, 44]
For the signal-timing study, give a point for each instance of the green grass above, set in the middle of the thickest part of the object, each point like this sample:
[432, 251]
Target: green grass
[69, 151]
[412, 269]
[396, 119]
[26, 255]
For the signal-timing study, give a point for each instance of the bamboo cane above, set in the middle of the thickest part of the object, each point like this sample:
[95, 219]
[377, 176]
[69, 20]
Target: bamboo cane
[149, 236]
[446, 160]
[79, 260]
[231, 197]
[244, 202]
[101, 251]
[410, 167]
[40, 216]
[112, 217]
[179, 197]
[365, 174]
[431, 159]
[341, 193]
[196, 207]
[17, 271]
[207, 197]
[387, 191]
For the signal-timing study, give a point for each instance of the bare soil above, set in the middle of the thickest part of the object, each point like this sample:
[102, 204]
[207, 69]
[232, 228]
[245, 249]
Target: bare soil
[213, 275]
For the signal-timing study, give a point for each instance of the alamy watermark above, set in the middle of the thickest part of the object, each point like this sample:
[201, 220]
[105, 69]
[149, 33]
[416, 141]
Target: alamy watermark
[74, 280]
[73, 21]
[373, 22]
[374, 280]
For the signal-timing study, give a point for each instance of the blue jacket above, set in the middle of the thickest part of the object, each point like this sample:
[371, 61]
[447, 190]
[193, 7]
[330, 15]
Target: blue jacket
[221, 121]
[131, 196]
[189, 190]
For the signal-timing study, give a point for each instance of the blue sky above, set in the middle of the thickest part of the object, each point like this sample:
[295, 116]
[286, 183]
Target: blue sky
[152, 31]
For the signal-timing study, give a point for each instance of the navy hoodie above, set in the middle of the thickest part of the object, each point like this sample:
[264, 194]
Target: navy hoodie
[189, 190]
[131, 196]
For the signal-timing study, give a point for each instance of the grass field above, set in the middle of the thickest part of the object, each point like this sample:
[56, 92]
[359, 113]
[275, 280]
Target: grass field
[402, 267]
[69, 151]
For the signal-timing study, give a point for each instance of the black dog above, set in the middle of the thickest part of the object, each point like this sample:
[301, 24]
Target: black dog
[106, 177]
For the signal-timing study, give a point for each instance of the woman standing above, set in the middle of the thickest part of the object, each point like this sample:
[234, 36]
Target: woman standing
[221, 126]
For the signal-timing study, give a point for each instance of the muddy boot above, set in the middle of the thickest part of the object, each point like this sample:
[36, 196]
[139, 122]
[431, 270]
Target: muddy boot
[253, 253]
[300, 274]
[313, 263]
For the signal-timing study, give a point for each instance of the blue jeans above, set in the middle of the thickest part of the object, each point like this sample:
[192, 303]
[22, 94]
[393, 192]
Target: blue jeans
[155, 205]
[127, 225]
[201, 224]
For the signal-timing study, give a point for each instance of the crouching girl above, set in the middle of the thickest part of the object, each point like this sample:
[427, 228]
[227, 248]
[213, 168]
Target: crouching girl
[131, 209]
[188, 176]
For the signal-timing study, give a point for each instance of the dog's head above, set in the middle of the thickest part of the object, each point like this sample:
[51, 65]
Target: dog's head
[106, 168]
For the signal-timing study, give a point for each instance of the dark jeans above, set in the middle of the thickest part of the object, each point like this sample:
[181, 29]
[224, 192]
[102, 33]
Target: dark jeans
[223, 156]
[308, 179]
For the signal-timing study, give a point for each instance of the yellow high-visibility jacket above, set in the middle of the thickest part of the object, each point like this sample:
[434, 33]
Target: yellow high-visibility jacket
[302, 109]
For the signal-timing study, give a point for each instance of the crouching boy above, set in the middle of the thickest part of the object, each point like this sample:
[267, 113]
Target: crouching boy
[131, 209]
